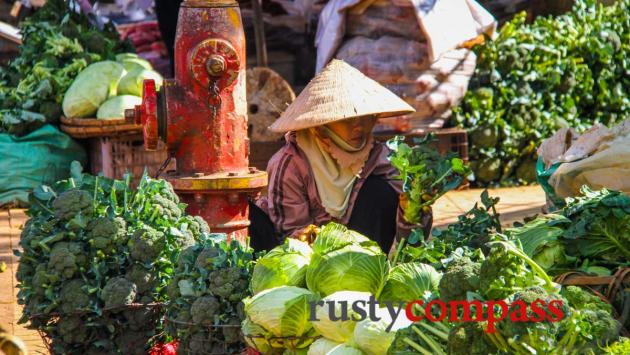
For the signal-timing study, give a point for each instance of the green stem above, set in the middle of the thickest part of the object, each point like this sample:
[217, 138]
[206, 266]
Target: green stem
[398, 251]
[432, 344]
[416, 346]
[440, 334]
[501, 341]
[493, 340]
[535, 267]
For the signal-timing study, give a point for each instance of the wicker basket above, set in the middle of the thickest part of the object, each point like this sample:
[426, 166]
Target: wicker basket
[92, 127]
[116, 156]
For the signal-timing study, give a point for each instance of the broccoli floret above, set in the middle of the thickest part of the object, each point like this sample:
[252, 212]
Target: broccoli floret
[204, 310]
[42, 280]
[118, 291]
[468, 339]
[187, 258]
[602, 328]
[183, 315]
[142, 318]
[72, 296]
[172, 289]
[72, 329]
[24, 271]
[207, 258]
[232, 333]
[229, 283]
[104, 233]
[580, 299]
[134, 342]
[165, 208]
[202, 225]
[146, 244]
[461, 276]
[142, 278]
[72, 202]
[66, 258]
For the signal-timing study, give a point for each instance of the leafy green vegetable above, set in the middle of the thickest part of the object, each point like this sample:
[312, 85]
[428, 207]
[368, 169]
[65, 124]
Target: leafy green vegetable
[91, 88]
[410, 281]
[285, 265]
[115, 107]
[78, 266]
[426, 174]
[205, 309]
[132, 82]
[58, 43]
[565, 71]
[335, 329]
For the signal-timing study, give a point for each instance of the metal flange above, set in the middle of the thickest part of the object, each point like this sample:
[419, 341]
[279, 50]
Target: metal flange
[248, 180]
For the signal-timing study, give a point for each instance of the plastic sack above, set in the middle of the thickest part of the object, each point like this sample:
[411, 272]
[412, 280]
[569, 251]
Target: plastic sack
[40, 157]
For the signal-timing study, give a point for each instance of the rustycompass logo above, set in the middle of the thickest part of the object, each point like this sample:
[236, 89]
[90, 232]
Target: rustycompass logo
[489, 311]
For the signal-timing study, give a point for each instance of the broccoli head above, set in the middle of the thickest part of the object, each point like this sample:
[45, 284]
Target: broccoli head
[42, 279]
[165, 208]
[66, 258]
[232, 331]
[204, 310]
[172, 289]
[143, 279]
[468, 339]
[502, 274]
[187, 258]
[183, 315]
[105, 233]
[461, 277]
[72, 329]
[598, 328]
[73, 297]
[142, 318]
[71, 203]
[229, 283]
[118, 291]
[207, 258]
[581, 299]
[134, 342]
[146, 244]
[24, 271]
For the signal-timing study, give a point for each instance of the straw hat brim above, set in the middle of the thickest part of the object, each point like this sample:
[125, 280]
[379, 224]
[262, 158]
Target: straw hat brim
[339, 92]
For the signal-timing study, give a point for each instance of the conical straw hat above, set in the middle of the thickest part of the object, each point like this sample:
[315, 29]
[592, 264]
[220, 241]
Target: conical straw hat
[337, 93]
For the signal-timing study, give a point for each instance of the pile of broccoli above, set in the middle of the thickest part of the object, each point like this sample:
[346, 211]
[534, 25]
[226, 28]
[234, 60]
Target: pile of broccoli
[508, 274]
[205, 309]
[96, 259]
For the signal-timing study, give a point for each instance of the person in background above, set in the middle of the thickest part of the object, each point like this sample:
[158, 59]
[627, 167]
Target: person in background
[331, 168]
[167, 12]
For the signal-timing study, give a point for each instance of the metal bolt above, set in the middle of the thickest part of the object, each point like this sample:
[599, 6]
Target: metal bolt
[233, 198]
[199, 198]
[199, 174]
[215, 65]
[232, 174]
[253, 170]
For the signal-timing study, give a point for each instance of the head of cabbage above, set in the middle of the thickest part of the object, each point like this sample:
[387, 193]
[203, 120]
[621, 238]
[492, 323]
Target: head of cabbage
[410, 281]
[375, 337]
[91, 88]
[285, 265]
[324, 346]
[283, 314]
[132, 82]
[115, 107]
[344, 260]
[339, 304]
[132, 63]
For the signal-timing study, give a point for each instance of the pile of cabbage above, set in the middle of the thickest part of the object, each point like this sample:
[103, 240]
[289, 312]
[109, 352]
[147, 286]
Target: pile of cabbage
[107, 88]
[340, 265]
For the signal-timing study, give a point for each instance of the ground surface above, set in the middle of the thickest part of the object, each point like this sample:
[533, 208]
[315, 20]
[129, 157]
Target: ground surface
[515, 204]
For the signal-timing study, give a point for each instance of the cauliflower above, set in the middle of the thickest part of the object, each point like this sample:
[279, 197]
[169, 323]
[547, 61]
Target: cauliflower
[204, 310]
[118, 291]
[461, 276]
[146, 244]
[72, 202]
[72, 296]
[144, 279]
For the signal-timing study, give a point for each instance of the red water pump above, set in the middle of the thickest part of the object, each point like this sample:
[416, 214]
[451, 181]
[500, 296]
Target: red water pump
[201, 115]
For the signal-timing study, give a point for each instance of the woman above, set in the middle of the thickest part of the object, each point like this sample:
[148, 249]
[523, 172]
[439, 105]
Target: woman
[331, 168]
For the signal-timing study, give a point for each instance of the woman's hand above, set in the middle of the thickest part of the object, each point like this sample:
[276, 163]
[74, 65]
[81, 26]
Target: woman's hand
[307, 234]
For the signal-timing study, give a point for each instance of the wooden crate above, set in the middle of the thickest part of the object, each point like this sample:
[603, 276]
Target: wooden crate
[115, 156]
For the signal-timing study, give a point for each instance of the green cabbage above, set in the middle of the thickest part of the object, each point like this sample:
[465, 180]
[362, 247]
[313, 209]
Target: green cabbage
[255, 336]
[132, 82]
[284, 265]
[408, 282]
[91, 88]
[372, 337]
[344, 260]
[283, 312]
[322, 346]
[123, 56]
[133, 63]
[352, 268]
[345, 349]
[339, 331]
[115, 107]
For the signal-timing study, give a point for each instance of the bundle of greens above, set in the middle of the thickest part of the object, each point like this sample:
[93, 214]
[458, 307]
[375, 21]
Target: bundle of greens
[567, 71]
[206, 309]
[471, 232]
[57, 44]
[96, 259]
[426, 174]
